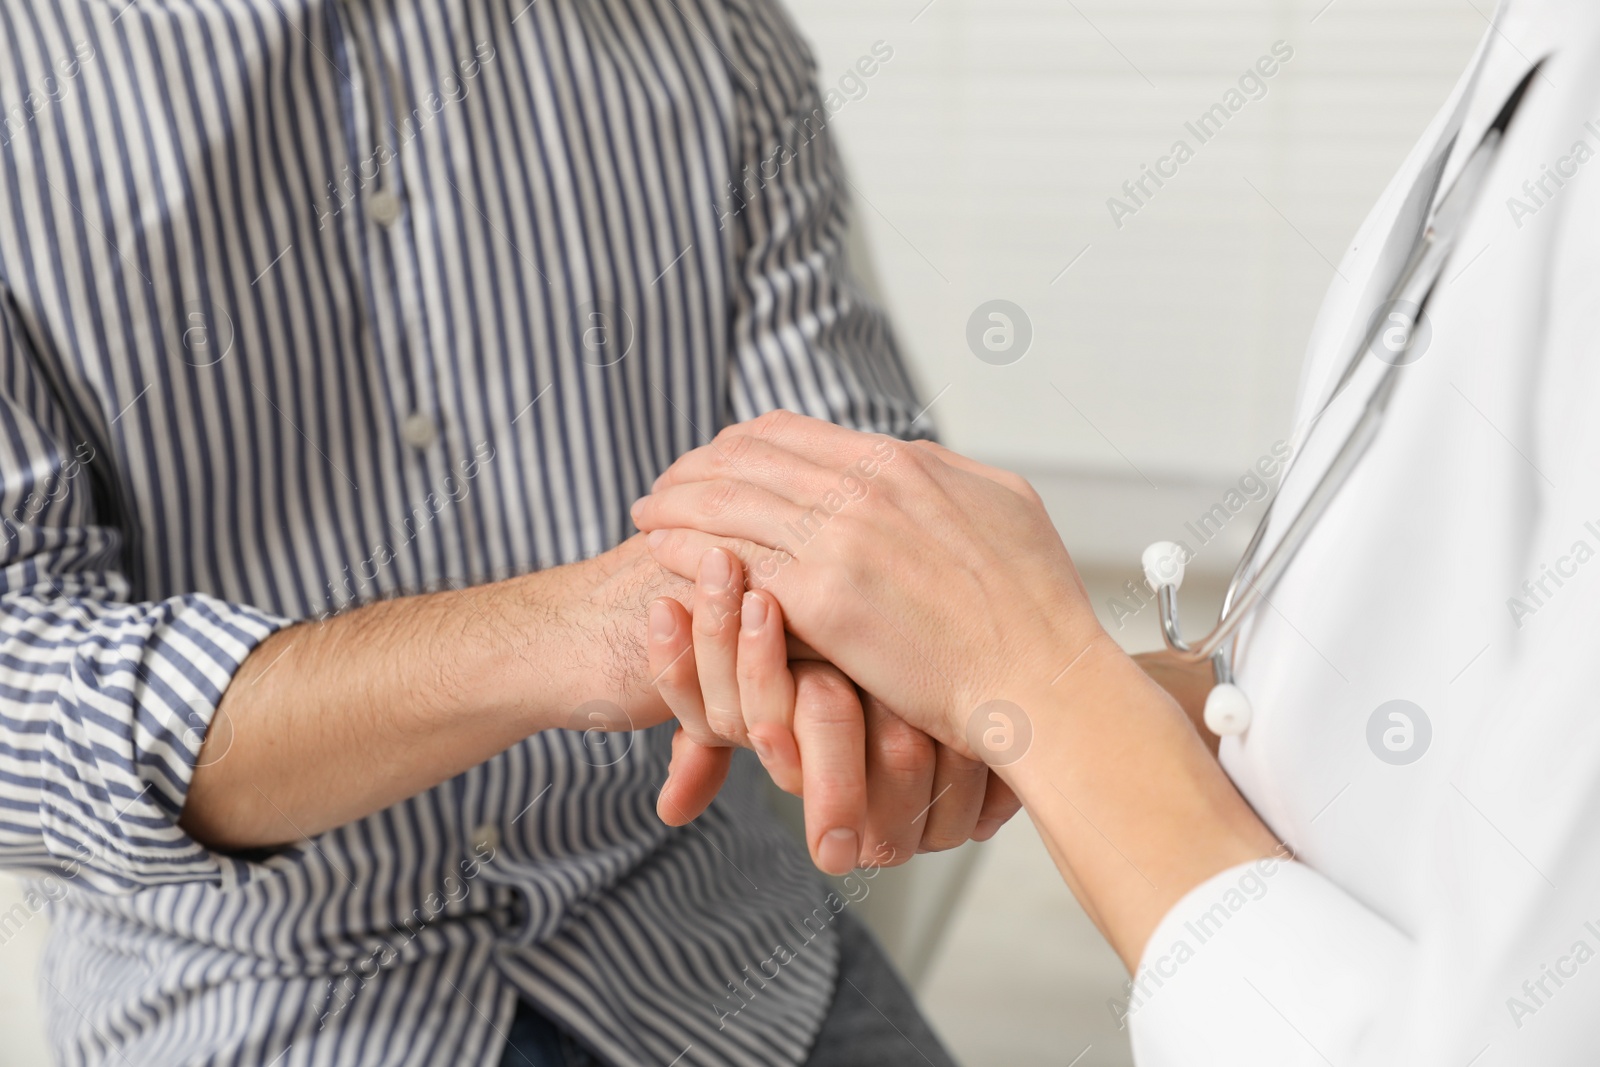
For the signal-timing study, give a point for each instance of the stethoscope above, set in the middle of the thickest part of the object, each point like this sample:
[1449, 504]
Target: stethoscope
[1388, 338]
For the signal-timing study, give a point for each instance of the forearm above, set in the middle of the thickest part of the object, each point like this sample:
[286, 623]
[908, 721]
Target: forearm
[1135, 809]
[329, 721]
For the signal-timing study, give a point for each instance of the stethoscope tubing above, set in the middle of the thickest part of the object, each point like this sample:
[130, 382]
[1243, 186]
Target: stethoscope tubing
[1414, 288]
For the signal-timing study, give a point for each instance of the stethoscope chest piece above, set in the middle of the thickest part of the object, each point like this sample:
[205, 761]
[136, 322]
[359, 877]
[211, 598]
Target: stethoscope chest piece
[1228, 711]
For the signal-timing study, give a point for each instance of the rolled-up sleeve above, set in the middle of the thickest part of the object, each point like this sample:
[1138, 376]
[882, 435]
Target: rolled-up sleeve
[807, 337]
[105, 702]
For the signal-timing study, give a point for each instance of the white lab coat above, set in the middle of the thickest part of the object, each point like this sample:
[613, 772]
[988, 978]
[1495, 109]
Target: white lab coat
[1447, 911]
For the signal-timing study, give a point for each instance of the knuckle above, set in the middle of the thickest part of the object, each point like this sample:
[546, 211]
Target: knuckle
[1000, 811]
[733, 448]
[834, 701]
[726, 726]
[673, 542]
[899, 842]
[827, 697]
[921, 459]
[1023, 488]
[965, 773]
[900, 749]
[773, 422]
[942, 841]
[721, 498]
[753, 671]
[911, 477]
[893, 853]
[701, 734]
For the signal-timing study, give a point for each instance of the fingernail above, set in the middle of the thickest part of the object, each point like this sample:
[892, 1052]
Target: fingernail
[752, 614]
[662, 624]
[839, 851]
[716, 571]
[986, 829]
[763, 749]
[655, 537]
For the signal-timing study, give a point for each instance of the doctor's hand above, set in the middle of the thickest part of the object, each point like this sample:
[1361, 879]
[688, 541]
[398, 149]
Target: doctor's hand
[940, 586]
[934, 582]
[876, 789]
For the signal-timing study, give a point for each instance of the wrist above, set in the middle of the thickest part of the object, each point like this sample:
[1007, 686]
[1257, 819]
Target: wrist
[999, 720]
[1121, 785]
[1065, 681]
[567, 646]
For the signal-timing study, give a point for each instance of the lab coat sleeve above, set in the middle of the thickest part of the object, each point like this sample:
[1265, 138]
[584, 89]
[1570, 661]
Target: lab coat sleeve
[807, 337]
[105, 699]
[1265, 964]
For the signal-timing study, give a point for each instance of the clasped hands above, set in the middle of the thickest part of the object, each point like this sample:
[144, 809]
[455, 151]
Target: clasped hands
[856, 599]
[877, 790]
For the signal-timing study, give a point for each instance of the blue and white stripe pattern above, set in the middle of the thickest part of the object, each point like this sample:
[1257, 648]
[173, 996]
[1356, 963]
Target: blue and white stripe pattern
[301, 304]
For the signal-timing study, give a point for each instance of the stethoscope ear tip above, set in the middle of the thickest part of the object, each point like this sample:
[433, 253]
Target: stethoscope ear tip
[1228, 710]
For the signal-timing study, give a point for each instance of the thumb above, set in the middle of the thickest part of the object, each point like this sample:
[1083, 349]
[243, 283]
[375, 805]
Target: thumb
[694, 778]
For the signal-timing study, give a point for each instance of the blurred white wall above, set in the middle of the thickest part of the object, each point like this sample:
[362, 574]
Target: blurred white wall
[1165, 358]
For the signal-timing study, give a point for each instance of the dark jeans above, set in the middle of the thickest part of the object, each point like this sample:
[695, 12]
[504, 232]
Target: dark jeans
[873, 1022]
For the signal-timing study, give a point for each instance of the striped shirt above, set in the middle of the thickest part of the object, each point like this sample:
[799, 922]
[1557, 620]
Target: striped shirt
[305, 303]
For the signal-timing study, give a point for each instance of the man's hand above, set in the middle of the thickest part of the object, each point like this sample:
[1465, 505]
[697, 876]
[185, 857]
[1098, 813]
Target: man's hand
[874, 786]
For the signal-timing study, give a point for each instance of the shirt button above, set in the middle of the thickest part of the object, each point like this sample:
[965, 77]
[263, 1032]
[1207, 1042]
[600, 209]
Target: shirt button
[485, 841]
[384, 207]
[418, 430]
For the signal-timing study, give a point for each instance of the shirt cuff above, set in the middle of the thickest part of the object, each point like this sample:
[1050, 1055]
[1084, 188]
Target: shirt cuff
[118, 758]
[1268, 964]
